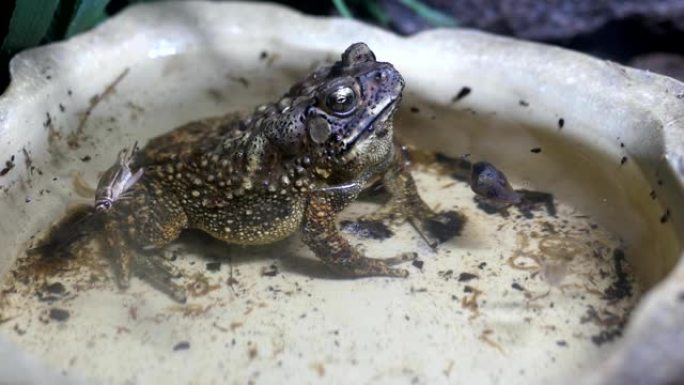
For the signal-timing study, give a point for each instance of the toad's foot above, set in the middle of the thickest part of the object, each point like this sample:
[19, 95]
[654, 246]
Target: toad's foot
[150, 267]
[433, 227]
[321, 235]
[407, 205]
[358, 266]
[159, 273]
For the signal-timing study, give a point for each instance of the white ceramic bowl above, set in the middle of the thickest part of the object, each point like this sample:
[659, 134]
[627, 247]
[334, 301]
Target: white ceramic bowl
[611, 140]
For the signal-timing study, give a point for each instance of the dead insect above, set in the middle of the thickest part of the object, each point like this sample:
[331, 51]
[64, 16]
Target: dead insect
[112, 187]
[491, 185]
[117, 180]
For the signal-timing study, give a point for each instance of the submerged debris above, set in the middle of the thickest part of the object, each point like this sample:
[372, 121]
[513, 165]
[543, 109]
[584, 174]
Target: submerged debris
[58, 314]
[367, 229]
[269, 271]
[9, 165]
[465, 91]
[536, 200]
[606, 336]
[495, 194]
[213, 266]
[51, 292]
[55, 288]
[465, 277]
[665, 217]
[446, 225]
[517, 286]
[492, 187]
[622, 286]
[183, 345]
[459, 168]
[75, 137]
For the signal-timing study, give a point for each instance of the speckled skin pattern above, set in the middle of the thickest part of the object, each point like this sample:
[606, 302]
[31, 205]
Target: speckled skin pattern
[290, 165]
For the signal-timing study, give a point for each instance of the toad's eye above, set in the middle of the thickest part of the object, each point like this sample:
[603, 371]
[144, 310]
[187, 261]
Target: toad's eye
[341, 100]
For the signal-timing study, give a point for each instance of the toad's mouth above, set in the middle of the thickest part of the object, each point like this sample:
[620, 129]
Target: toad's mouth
[368, 125]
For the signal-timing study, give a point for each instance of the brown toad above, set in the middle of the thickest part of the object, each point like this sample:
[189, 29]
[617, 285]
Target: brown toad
[290, 165]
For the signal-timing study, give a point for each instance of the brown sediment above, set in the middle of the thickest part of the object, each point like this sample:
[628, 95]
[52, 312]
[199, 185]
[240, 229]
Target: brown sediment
[485, 337]
[81, 187]
[470, 302]
[199, 285]
[74, 138]
[74, 225]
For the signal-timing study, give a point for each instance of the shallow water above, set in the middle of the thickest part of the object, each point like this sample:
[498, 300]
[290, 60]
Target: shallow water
[511, 300]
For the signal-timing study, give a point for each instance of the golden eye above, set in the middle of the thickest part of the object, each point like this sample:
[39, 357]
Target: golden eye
[341, 101]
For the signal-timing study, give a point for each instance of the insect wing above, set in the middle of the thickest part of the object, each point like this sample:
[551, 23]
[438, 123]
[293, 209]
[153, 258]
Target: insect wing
[132, 179]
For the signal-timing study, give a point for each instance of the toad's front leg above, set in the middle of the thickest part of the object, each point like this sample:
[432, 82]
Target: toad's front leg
[406, 204]
[322, 236]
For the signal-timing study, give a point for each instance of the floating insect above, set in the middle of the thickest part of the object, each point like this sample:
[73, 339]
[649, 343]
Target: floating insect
[112, 187]
[117, 180]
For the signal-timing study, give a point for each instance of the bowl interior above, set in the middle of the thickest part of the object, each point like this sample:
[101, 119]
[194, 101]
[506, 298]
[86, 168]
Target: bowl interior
[535, 288]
